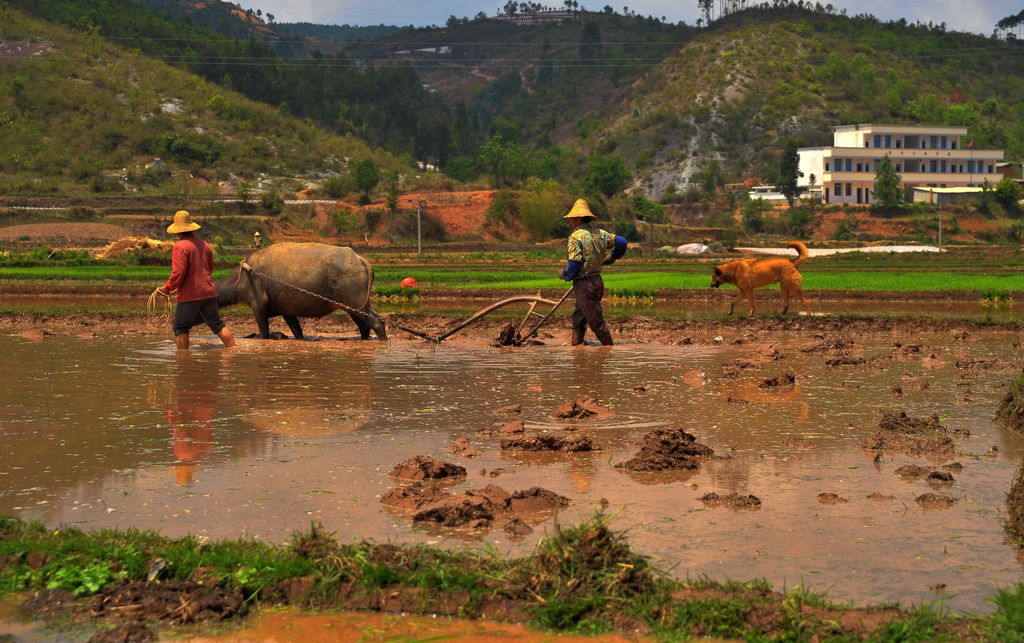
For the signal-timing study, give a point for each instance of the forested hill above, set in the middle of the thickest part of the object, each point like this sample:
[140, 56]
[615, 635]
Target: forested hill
[339, 33]
[387, 107]
[79, 112]
[738, 90]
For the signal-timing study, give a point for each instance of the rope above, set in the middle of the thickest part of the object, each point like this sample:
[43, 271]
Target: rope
[151, 303]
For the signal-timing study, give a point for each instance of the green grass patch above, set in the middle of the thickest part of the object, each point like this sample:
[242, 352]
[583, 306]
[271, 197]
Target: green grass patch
[582, 578]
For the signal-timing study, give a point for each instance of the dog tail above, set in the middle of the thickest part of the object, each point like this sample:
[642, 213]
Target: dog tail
[800, 248]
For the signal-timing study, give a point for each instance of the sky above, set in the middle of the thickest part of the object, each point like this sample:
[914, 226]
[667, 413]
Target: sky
[978, 16]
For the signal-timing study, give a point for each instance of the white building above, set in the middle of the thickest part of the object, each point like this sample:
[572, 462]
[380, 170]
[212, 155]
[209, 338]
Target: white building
[924, 156]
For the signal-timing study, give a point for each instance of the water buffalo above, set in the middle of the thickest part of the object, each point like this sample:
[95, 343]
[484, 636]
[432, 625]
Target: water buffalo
[339, 274]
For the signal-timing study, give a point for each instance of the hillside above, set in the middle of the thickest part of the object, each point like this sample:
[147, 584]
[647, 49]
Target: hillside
[79, 111]
[538, 83]
[756, 78]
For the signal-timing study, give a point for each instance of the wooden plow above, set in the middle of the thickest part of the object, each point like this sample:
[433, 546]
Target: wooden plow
[512, 334]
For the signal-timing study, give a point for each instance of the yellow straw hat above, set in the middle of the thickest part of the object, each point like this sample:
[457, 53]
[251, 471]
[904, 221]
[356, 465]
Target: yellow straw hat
[579, 210]
[182, 223]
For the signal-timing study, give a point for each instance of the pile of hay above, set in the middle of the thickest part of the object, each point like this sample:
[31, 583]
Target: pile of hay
[128, 245]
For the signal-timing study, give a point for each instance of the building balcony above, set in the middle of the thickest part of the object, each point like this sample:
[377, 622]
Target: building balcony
[949, 178]
[962, 154]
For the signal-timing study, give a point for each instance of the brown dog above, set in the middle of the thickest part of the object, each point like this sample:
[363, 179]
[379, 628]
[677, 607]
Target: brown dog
[747, 274]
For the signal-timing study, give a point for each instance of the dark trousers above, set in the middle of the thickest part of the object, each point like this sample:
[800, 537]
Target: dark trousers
[192, 313]
[588, 292]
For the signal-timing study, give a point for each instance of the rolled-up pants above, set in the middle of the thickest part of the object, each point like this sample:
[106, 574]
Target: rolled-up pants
[588, 292]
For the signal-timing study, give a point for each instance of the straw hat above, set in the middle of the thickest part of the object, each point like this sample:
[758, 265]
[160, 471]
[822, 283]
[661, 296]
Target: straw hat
[580, 209]
[182, 223]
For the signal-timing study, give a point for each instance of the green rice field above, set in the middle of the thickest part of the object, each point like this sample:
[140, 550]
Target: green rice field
[631, 278]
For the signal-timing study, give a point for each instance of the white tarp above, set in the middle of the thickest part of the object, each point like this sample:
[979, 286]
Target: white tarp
[692, 249]
[824, 252]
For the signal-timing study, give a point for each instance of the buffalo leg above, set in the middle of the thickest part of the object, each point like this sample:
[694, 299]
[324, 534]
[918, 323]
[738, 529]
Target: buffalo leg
[293, 323]
[263, 323]
[364, 328]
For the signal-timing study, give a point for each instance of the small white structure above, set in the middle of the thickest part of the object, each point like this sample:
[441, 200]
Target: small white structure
[944, 196]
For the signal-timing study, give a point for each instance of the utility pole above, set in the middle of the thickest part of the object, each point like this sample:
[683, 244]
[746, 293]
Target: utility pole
[419, 230]
[940, 232]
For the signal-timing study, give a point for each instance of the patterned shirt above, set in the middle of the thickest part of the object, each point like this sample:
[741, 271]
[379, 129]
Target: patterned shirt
[590, 247]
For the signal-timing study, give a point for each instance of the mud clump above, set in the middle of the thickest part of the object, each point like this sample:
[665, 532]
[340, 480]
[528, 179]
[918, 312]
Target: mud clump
[177, 602]
[880, 497]
[549, 442]
[912, 472]
[424, 467]
[136, 632]
[667, 450]
[460, 447]
[935, 501]
[732, 501]
[846, 360]
[580, 409]
[507, 421]
[831, 499]
[1015, 508]
[414, 496]
[474, 513]
[900, 433]
[482, 508]
[983, 364]
[536, 499]
[786, 379]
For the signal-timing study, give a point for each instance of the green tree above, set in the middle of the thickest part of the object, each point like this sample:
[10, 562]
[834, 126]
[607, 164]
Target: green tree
[888, 193]
[789, 172]
[1009, 194]
[709, 177]
[391, 178]
[607, 174]
[505, 162]
[366, 176]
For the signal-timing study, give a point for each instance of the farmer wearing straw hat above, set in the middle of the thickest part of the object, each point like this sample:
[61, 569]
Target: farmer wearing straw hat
[191, 270]
[589, 248]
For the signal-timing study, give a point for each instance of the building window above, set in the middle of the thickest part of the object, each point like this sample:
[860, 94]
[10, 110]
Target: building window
[826, 166]
[943, 144]
[952, 144]
[899, 167]
[839, 189]
[849, 165]
[888, 140]
[849, 189]
[942, 166]
[991, 169]
[860, 167]
[933, 166]
[899, 143]
[934, 140]
[922, 144]
[878, 140]
[859, 195]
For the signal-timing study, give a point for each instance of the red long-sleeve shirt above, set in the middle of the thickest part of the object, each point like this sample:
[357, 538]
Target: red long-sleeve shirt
[192, 270]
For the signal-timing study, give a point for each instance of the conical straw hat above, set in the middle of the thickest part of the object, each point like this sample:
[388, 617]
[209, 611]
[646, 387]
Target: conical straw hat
[579, 210]
[182, 223]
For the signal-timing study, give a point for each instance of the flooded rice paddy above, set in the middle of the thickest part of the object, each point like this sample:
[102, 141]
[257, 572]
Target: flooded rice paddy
[260, 441]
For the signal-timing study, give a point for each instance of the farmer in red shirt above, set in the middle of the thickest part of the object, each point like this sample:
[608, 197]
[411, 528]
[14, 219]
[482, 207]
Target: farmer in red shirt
[191, 270]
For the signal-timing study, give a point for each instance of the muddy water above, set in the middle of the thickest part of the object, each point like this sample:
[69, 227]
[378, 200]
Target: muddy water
[676, 309]
[260, 441]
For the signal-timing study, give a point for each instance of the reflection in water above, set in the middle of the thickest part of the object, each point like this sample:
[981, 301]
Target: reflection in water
[266, 438]
[192, 412]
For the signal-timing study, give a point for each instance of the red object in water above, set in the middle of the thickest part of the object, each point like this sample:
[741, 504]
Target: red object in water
[408, 282]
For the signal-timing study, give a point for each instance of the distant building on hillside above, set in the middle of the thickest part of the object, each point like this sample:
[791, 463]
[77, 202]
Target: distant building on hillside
[538, 17]
[924, 156]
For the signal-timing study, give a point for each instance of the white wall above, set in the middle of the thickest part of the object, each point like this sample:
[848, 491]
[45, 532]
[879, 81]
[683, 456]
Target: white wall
[812, 161]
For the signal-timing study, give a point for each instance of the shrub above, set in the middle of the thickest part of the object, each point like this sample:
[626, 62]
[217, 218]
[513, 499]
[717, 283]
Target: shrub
[272, 202]
[461, 168]
[540, 211]
[503, 208]
[338, 186]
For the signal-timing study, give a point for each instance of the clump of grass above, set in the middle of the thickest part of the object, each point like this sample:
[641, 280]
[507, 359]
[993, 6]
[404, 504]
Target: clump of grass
[996, 298]
[1015, 512]
[1011, 409]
